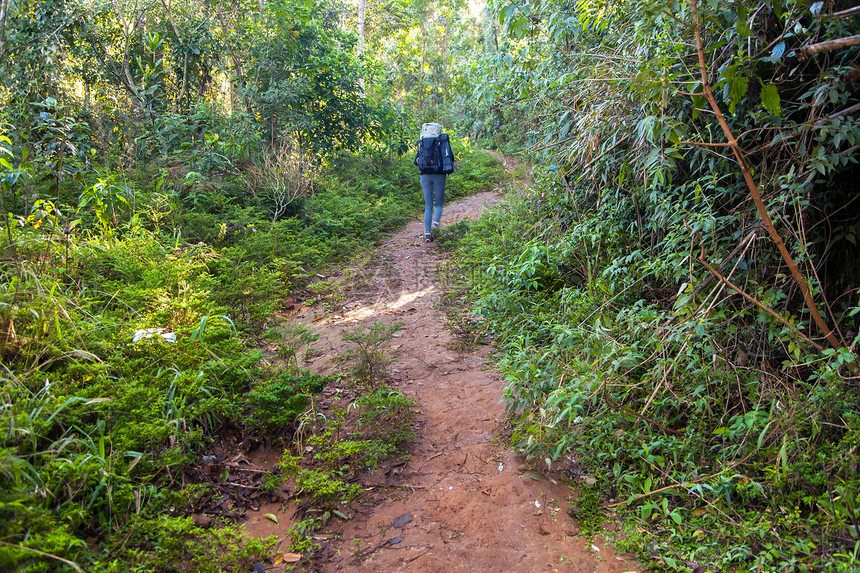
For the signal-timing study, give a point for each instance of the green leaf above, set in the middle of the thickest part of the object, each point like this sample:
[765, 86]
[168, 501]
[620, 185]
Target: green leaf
[272, 517]
[777, 8]
[743, 26]
[778, 50]
[737, 90]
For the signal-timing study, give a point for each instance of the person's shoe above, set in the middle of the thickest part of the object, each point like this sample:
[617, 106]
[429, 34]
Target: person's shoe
[428, 238]
[434, 226]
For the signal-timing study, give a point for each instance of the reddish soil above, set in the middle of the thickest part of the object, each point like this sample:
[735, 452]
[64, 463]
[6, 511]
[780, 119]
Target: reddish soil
[463, 502]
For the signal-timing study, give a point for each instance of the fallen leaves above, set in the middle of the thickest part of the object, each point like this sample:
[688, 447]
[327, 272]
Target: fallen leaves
[288, 558]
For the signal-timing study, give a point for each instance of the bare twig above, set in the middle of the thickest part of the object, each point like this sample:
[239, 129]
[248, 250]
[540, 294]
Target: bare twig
[741, 247]
[553, 144]
[844, 112]
[704, 143]
[677, 485]
[847, 13]
[605, 152]
[759, 304]
[419, 555]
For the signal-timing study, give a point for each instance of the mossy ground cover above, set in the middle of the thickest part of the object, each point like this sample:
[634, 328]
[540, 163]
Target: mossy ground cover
[128, 332]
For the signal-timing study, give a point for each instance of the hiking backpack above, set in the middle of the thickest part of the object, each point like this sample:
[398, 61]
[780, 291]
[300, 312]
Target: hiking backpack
[434, 150]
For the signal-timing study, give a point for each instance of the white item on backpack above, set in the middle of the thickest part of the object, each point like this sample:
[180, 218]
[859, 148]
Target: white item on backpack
[431, 130]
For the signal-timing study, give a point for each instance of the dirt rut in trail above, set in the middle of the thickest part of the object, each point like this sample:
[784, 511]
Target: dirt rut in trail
[463, 502]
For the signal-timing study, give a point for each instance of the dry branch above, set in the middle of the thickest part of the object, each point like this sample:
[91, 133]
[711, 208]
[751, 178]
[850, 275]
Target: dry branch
[847, 13]
[756, 302]
[676, 486]
[661, 490]
[828, 46]
[741, 247]
[43, 554]
[844, 112]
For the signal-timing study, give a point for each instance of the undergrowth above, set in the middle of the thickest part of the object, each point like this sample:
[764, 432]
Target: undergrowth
[720, 460]
[128, 332]
[675, 297]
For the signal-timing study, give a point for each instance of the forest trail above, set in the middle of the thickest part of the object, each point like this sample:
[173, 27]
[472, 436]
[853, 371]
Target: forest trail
[463, 502]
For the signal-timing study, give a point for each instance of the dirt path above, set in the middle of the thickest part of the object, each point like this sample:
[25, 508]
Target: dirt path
[465, 503]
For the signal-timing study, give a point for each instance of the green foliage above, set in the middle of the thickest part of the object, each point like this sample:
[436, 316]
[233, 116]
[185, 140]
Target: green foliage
[124, 356]
[476, 171]
[692, 406]
[275, 404]
[385, 415]
[164, 187]
[181, 544]
[631, 390]
[380, 423]
[306, 78]
[290, 341]
[585, 508]
[450, 236]
[326, 486]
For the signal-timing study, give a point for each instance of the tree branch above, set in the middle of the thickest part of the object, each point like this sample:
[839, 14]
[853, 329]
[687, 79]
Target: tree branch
[4, 9]
[761, 305]
[828, 46]
[847, 13]
[615, 404]
[844, 112]
[754, 192]
[71, 564]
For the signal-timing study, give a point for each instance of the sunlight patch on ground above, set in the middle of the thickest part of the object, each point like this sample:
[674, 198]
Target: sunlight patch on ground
[409, 297]
[365, 312]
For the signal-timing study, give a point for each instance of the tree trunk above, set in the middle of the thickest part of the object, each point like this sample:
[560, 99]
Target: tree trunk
[362, 10]
[4, 9]
[237, 67]
[445, 67]
[423, 29]
[184, 59]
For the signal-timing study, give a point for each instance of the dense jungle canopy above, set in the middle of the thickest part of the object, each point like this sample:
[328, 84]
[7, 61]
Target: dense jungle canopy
[674, 296]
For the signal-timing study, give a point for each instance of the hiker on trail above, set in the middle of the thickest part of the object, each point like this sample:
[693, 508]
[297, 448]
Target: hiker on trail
[435, 161]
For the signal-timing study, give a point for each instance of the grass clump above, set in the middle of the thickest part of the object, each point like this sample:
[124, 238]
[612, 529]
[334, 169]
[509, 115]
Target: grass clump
[346, 446]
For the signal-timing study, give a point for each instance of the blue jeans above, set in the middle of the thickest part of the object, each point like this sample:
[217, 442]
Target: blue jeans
[434, 195]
